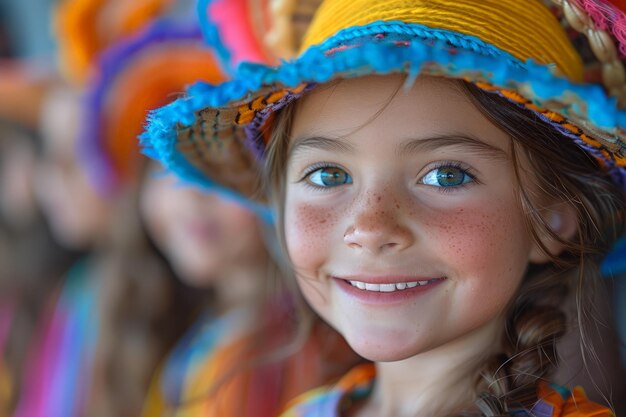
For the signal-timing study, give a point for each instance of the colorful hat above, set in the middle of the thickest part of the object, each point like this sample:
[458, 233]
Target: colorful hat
[84, 28]
[519, 49]
[142, 73]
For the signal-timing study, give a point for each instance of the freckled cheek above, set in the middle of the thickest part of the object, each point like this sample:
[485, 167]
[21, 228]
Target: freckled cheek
[309, 232]
[486, 241]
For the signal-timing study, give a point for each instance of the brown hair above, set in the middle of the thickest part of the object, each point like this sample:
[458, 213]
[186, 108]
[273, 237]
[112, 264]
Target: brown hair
[535, 320]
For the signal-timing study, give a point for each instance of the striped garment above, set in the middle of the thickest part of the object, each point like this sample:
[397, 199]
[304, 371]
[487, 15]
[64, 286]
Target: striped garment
[333, 400]
[174, 387]
[59, 364]
[238, 378]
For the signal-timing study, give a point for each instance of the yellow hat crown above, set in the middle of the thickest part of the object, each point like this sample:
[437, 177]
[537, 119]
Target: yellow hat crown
[525, 29]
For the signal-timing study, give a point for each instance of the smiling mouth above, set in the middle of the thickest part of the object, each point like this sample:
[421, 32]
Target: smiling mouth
[391, 287]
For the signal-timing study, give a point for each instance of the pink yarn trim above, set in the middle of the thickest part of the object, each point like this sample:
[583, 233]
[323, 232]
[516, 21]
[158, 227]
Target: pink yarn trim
[607, 17]
[231, 19]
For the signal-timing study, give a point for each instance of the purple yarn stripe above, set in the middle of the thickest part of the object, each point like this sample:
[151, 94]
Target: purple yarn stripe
[254, 139]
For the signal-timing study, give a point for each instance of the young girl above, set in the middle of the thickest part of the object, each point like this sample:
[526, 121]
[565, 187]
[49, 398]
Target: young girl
[443, 178]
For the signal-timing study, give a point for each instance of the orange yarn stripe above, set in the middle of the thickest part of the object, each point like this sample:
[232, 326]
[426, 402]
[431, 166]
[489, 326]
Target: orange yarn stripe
[248, 111]
[524, 28]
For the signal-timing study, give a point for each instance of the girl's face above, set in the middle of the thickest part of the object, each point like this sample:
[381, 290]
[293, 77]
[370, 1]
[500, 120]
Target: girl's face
[402, 217]
[203, 236]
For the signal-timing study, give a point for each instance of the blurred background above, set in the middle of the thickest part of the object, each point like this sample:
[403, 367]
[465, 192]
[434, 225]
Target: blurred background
[25, 30]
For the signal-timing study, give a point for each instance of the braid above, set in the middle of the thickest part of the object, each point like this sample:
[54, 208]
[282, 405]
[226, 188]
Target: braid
[533, 326]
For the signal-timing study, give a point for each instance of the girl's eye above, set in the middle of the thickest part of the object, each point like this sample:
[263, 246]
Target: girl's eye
[329, 177]
[447, 176]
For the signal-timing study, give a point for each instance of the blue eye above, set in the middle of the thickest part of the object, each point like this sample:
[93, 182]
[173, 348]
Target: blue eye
[329, 177]
[447, 176]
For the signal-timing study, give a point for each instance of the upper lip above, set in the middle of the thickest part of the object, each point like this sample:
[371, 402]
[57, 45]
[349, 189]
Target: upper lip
[386, 279]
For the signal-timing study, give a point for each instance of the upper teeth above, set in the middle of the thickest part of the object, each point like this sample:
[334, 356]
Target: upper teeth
[387, 287]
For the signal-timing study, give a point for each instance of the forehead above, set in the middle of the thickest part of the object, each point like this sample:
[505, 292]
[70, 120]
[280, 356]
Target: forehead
[383, 105]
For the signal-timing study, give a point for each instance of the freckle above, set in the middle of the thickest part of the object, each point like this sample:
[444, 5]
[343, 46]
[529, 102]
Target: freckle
[322, 221]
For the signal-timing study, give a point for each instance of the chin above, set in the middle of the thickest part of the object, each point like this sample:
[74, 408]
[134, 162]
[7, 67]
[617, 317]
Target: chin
[384, 345]
[382, 353]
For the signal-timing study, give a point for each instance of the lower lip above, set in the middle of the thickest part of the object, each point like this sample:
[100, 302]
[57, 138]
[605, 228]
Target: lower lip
[376, 297]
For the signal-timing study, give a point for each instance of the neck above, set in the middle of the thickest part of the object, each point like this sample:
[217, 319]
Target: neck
[439, 382]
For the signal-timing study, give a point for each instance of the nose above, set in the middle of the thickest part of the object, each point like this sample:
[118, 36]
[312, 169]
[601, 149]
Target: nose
[378, 230]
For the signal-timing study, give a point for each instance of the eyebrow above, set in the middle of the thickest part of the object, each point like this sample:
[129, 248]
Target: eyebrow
[318, 142]
[468, 143]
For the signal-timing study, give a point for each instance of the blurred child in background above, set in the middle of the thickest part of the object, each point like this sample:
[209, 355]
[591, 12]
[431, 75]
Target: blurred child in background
[233, 360]
[66, 358]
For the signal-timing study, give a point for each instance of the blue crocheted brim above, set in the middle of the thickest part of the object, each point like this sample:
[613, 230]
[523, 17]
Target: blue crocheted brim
[379, 48]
